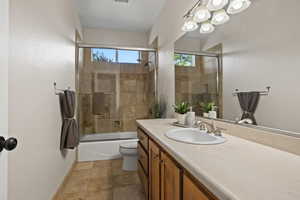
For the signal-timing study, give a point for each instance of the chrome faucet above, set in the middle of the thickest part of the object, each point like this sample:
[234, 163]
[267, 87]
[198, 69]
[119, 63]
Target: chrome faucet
[213, 129]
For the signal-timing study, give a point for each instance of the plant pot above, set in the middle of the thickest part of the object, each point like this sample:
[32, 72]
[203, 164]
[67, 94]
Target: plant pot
[205, 114]
[212, 114]
[181, 118]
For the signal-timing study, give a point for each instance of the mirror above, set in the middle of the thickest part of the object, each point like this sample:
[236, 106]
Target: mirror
[198, 76]
[248, 68]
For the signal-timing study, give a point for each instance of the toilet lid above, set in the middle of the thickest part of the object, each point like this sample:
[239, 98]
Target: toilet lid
[129, 145]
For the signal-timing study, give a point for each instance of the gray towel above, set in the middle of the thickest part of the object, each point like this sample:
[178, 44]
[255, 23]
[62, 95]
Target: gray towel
[248, 102]
[69, 132]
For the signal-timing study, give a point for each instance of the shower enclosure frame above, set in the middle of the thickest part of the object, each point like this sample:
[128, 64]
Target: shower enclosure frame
[219, 80]
[80, 45]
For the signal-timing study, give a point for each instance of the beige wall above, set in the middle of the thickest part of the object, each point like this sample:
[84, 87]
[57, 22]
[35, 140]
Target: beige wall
[4, 38]
[188, 44]
[261, 48]
[109, 37]
[42, 49]
[168, 26]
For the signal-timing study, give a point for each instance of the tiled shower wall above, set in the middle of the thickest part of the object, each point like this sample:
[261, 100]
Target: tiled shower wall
[198, 84]
[113, 95]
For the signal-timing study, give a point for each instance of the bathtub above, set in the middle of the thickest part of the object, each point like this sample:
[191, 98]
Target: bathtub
[103, 146]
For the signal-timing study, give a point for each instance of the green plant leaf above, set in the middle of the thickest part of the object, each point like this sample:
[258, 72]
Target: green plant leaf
[181, 108]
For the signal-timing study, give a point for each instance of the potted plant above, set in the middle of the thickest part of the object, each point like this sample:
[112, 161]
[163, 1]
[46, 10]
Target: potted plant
[158, 109]
[206, 108]
[181, 109]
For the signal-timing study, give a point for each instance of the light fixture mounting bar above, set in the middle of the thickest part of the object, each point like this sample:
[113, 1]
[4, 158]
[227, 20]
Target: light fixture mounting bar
[193, 8]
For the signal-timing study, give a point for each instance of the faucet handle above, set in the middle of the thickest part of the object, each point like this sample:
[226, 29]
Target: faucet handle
[218, 131]
[201, 125]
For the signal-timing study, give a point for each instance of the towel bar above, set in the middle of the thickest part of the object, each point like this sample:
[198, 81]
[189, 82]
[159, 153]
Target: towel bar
[61, 90]
[265, 92]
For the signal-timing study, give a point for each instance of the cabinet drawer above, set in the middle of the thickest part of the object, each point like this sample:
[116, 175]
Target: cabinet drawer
[143, 138]
[144, 179]
[143, 158]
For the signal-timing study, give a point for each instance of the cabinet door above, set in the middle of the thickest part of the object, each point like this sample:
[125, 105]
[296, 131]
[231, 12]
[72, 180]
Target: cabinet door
[154, 171]
[191, 191]
[170, 179]
[144, 180]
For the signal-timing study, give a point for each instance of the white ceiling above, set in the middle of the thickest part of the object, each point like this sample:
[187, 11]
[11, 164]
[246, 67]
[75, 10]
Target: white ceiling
[137, 15]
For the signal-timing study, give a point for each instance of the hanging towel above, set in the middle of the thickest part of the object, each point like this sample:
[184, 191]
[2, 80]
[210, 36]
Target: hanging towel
[248, 102]
[69, 132]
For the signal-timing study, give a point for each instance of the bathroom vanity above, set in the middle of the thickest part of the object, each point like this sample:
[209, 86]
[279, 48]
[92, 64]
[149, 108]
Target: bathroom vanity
[162, 176]
[235, 170]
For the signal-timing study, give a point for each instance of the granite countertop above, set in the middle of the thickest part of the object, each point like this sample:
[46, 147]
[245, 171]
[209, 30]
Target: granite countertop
[235, 170]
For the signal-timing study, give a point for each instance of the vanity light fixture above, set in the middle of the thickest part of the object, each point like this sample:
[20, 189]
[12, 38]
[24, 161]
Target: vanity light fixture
[202, 14]
[214, 5]
[189, 25]
[207, 27]
[237, 6]
[220, 17]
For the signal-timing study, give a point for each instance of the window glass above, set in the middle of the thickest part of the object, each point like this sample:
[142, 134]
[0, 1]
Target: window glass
[128, 56]
[104, 55]
[185, 60]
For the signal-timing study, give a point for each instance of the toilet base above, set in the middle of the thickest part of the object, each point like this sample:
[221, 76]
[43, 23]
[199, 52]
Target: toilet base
[129, 163]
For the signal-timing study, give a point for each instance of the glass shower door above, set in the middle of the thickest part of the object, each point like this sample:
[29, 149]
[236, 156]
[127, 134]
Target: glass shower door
[116, 87]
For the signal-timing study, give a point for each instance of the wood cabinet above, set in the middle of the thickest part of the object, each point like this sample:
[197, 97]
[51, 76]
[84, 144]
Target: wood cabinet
[170, 179]
[154, 171]
[191, 191]
[143, 138]
[143, 158]
[144, 180]
[164, 175]
[163, 178]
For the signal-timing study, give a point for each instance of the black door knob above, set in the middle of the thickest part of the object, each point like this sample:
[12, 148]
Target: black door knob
[9, 144]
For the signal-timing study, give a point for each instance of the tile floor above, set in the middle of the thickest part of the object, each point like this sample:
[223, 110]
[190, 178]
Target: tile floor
[102, 180]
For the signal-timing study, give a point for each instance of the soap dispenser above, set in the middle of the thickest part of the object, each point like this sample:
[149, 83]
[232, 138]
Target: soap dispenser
[190, 118]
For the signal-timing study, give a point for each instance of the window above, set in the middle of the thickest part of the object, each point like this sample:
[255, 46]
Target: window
[104, 55]
[185, 60]
[115, 55]
[128, 56]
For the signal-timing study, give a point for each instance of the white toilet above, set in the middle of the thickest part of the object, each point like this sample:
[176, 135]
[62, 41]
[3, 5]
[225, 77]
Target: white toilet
[130, 156]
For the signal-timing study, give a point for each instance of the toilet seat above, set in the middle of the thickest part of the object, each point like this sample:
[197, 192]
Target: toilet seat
[129, 148]
[129, 145]
[129, 152]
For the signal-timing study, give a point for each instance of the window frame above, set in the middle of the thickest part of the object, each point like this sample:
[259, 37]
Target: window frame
[117, 55]
[186, 54]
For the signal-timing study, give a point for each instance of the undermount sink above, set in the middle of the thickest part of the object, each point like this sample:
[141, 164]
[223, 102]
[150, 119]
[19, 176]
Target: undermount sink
[194, 136]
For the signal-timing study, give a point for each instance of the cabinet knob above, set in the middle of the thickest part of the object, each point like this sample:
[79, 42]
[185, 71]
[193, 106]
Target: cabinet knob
[9, 144]
[155, 156]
